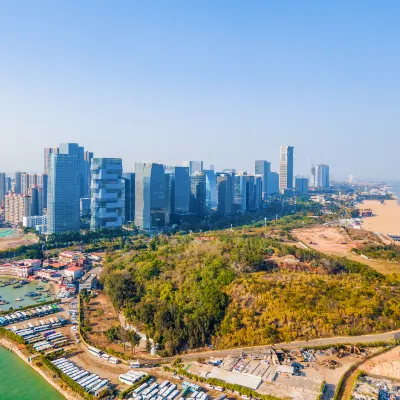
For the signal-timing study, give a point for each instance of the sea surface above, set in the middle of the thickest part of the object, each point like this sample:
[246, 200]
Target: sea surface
[18, 381]
[10, 294]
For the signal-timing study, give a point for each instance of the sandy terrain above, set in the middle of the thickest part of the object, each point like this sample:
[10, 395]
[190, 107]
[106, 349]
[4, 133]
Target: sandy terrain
[386, 216]
[331, 240]
[17, 240]
[336, 241]
[387, 364]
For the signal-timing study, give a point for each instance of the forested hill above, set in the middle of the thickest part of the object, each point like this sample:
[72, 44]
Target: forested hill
[233, 290]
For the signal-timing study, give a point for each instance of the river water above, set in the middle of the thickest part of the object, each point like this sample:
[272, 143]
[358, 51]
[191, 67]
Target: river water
[20, 382]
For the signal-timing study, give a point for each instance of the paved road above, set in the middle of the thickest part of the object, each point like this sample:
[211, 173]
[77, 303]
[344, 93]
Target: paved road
[293, 345]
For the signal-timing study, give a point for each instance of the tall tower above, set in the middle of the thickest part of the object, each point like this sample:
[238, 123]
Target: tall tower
[263, 168]
[2, 187]
[312, 183]
[17, 183]
[224, 193]
[286, 168]
[198, 193]
[149, 196]
[48, 151]
[63, 194]
[106, 187]
[322, 175]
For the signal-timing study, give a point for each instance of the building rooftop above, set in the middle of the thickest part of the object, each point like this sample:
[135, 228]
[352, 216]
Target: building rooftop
[57, 265]
[250, 381]
[74, 268]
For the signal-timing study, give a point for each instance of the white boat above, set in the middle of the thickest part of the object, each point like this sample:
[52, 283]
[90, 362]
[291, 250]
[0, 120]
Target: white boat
[19, 299]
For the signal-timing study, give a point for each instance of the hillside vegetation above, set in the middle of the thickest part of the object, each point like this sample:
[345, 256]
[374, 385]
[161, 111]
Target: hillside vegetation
[243, 289]
[381, 252]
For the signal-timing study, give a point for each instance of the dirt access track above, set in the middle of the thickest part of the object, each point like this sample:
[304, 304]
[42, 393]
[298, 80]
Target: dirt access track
[337, 241]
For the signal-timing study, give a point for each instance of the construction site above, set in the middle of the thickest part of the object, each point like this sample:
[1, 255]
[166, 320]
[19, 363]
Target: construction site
[297, 374]
[375, 388]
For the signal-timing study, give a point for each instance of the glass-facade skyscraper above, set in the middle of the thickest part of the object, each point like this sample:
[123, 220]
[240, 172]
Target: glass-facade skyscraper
[63, 194]
[224, 193]
[286, 168]
[106, 190]
[322, 175]
[198, 194]
[301, 184]
[84, 161]
[181, 189]
[263, 168]
[195, 166]
[128, 188]
[150, 196]
[211, 188]
[240, 192]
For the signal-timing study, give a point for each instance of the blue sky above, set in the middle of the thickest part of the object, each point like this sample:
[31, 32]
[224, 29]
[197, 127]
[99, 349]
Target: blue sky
[222, 81]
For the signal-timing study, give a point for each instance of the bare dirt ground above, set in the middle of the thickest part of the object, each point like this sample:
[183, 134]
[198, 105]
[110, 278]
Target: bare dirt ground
[339, 242]
[387, 364]
[102, 317]
[17, 240]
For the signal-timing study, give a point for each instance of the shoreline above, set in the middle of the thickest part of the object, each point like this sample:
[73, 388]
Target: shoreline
[386, 216]
[14, 349]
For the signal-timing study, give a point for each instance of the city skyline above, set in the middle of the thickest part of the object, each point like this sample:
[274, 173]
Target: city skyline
[176, 81]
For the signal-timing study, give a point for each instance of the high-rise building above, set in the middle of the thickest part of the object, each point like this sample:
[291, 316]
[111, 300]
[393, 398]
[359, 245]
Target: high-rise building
[169, 196]
[240, 192]
[250, 193]
[36, 202]
[177, 194]
[301, 184]
[84, 161]
[312, 181]
[63, 194]
[181, 190]
[258, 192]
[42, 180]
[149, 196]
[25, 183]
[273, 183]
[322, 175]
[224, 193]
[195, 166]
[48, 151]
[286, 168]
[86, 171]
[106, 187]
[8, 184]
[211, 188]
[3, 190]
[17, 182]
[129, 196]
[17, 206]
[263, 168]
[85, 206]
[198, 193]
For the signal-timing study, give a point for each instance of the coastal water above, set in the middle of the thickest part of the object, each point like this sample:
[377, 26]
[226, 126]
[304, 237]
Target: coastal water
[20, 382]
[10, 294]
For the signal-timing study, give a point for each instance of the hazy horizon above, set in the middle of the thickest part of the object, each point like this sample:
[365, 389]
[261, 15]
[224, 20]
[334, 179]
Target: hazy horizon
[223, 82]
